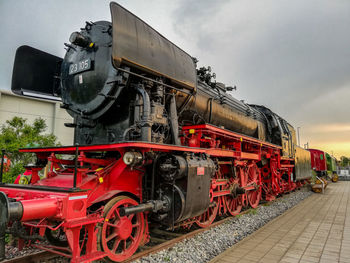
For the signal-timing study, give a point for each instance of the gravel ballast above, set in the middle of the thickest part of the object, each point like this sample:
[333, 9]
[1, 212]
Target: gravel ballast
[206, 245]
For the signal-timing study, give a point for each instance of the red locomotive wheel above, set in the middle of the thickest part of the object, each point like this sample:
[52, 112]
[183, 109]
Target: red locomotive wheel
[234, 205]
[120, 236]
[253, 196]
[205, 219]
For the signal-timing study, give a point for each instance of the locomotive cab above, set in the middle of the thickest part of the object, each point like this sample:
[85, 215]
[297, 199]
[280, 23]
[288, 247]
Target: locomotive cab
[279, 131]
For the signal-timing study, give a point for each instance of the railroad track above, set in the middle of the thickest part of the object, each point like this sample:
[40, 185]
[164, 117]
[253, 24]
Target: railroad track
[32, 258]
[163, 244]
[161, 239]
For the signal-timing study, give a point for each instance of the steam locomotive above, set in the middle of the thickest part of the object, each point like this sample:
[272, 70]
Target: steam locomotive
[155, 140]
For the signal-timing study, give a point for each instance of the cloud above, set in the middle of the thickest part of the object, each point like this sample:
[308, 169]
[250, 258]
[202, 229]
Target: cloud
[291, 56]
[334, 127]
[280, 53]
[337, 149]
[46, 25]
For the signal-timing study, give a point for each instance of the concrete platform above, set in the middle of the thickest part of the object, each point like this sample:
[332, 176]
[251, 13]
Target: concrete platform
[316, 230]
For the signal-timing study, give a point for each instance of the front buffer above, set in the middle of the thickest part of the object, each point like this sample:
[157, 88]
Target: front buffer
[31, 214]
[68, 207]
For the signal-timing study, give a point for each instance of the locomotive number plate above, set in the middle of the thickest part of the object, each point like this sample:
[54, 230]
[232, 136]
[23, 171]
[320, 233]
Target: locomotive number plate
[81, 66]
[200, 170]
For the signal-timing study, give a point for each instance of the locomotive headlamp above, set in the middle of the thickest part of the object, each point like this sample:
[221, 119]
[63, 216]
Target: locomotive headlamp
[78, 39]
[132, 158]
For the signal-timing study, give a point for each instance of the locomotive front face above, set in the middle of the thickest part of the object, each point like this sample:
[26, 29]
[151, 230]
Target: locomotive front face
[86, 72]
[112, 81]
[92, 89]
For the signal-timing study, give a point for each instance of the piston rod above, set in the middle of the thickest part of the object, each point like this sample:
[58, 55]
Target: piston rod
[240, 190]
[154, 206]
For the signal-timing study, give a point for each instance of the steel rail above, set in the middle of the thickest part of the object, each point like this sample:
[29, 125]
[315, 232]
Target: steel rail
[31, 258]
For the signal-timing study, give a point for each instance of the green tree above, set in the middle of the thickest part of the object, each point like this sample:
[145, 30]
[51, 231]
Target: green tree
[17, 133]
[344, 161]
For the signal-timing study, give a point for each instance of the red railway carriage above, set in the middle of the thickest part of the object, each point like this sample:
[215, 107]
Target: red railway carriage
[318, 161]
[156, 140]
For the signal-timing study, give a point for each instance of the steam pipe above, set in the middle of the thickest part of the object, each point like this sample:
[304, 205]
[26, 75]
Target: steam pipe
[145, 122]
[154, 175]
[210, 109]
[174, 121]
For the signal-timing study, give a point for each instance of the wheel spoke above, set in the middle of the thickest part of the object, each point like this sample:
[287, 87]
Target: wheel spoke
[135, 225]
[111, 224]
[111, 236]
[116, 212]
[233, 205]
[253, 195]
[208, 216]
[130, 217]
[124, 247]
[116, 245]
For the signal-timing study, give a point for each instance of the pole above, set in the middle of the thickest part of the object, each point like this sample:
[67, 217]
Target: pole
[2, 164]
[76, 166]
[298, 128]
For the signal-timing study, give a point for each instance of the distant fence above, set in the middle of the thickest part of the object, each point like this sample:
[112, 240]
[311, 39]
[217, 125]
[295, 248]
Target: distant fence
[343, 173]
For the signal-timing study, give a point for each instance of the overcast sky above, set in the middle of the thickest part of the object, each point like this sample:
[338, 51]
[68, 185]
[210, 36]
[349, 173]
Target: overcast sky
[291, 56]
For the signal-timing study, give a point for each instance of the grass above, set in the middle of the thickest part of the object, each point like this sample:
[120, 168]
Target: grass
[252, 211]
[7, 238]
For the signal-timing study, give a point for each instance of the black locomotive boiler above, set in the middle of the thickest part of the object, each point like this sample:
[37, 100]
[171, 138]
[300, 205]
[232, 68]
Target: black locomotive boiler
[124, 81]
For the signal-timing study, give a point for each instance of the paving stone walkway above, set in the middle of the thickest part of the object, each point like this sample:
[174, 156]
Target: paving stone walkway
[315, 230]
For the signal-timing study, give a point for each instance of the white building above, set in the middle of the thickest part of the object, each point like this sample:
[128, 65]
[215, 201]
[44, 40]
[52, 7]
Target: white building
[31, 108]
